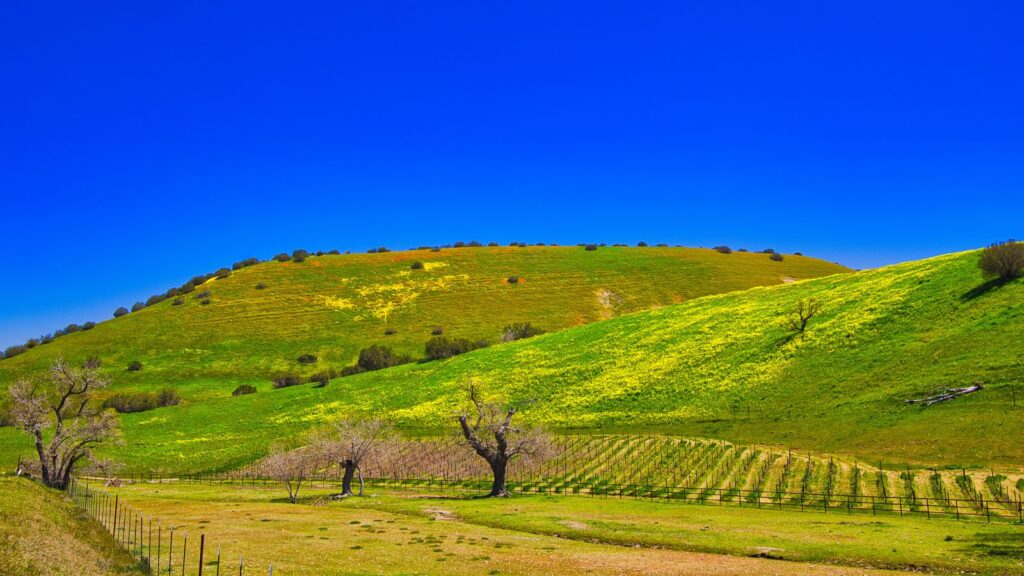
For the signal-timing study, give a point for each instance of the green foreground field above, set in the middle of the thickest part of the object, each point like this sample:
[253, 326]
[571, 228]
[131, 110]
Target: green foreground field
[399, 532]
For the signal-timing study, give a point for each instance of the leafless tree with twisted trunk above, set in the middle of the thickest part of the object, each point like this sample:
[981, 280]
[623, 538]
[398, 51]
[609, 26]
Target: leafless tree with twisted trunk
[63, 403]
[352, 442]
[493, 437]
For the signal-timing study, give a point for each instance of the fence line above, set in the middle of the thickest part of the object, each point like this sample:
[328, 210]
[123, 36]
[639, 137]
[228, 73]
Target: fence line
[132, 531]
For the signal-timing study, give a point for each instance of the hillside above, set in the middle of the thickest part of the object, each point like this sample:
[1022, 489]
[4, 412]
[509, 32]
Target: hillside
[41, 532]
[334, 305]
[696, 368]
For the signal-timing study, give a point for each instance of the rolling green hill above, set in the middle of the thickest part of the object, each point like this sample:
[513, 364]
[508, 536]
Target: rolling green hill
[722, 366]
[334, 305]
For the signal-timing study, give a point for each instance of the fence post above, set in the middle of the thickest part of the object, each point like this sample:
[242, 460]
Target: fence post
[184, 553]
[202, 547]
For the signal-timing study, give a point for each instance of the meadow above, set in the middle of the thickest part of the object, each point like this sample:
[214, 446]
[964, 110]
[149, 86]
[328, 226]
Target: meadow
[403, 532]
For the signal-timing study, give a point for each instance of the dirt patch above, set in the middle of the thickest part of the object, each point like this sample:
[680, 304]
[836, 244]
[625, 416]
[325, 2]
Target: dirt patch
[575, 524]
[440, 514]
[607, 302]
[788, 279]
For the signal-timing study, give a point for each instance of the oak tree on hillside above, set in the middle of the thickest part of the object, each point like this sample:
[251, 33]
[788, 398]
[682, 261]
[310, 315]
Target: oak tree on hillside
[63, 402]
[490, 433]
[1003, 260]
[802, 313]
[351, 443]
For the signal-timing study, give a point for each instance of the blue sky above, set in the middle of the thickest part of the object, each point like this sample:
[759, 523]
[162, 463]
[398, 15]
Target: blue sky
[146, 142]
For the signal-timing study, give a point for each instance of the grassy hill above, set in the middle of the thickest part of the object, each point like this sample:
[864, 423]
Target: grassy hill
[334, 305]
[41, 532]
[722, 366]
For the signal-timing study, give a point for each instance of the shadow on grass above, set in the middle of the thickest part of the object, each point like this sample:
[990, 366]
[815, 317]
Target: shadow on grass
[982, 289]
[1001, 545]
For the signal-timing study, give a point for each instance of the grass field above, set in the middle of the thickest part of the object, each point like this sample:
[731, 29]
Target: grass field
[44, 534]
[403, 533]
[334, 305]
[720, 366]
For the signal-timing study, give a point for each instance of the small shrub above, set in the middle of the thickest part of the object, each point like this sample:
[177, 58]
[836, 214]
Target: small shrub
[205, 301]
[177, 302]
[1002, 260]
[417, 265]
[299, 255]
[723, 249]
[307, 359]
[492, 244]
[223, 273]
[88, 326]
[261, 286]
[72, 328]
[798, 253]
[128, 402]
[203, 294]
[321, 379]
[92, 362]
[513, 279]
[775, 256]
[244, 389]
[12, 351]
[377, 357]
[768, 251]
[138, 306]
[435, 249]
[440, 347]
[154, 299]
[518, 331]
[350, 370]
[286, 380]
[245, 263]
[390, 332]
[282, 257]
[437, 331]
[641, 244]
[590, 247]
[135, 366]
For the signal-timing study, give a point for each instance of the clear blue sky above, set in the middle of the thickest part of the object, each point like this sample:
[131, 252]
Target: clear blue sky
[146, 142]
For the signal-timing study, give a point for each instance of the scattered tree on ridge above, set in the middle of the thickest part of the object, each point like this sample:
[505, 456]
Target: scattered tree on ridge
[1002, 260]
[493, 438]
[64, 404]
[350, 443]
[802, 314]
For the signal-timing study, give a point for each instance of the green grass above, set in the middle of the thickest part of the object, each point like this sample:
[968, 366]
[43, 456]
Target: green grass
[567, 534]
[333, 306]
[43, 533]
[721, 366]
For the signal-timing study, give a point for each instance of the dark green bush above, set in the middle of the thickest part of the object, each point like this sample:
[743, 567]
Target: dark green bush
[513, 279]
[440, 347]
[126, 402]
[282, 257]
[244, 389]
[590, 247]
[350, 370]
[12, 351]
[287, 380]
[261, 286]
[390, 332]
[1003, 260]
[518, 331]
[417, 265]
[134, 366]
[177, 302]
[245, 263]
[203, 294]
[307, 359]
[138, 306]
[377, 357]
[723, 249]
[223, 273]
[88, 326]
[775, 256]
[120, 312]
[437, 331]
[641, 244]
[300, 255]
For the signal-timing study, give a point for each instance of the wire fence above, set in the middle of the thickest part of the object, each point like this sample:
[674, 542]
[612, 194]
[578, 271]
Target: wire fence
[160, 547]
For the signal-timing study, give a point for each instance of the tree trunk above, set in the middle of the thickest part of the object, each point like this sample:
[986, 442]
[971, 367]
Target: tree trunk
[499, 467]
[346, 481]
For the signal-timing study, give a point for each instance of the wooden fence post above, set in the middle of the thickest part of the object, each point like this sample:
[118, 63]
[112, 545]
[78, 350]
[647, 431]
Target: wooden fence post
[202, 547]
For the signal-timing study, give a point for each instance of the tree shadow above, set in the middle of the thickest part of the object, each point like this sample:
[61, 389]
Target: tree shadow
[982, 289]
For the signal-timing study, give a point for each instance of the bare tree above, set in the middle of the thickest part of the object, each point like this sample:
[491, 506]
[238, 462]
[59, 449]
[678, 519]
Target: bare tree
[802, 313]
[63, 403]
[291, 468]
[351, 443]
[493, 438]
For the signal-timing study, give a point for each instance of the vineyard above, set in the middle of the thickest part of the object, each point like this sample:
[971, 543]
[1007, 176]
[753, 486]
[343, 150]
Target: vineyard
[695, 471]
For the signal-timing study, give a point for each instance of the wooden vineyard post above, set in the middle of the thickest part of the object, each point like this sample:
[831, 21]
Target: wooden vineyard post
[184, 553]
[202, 548]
